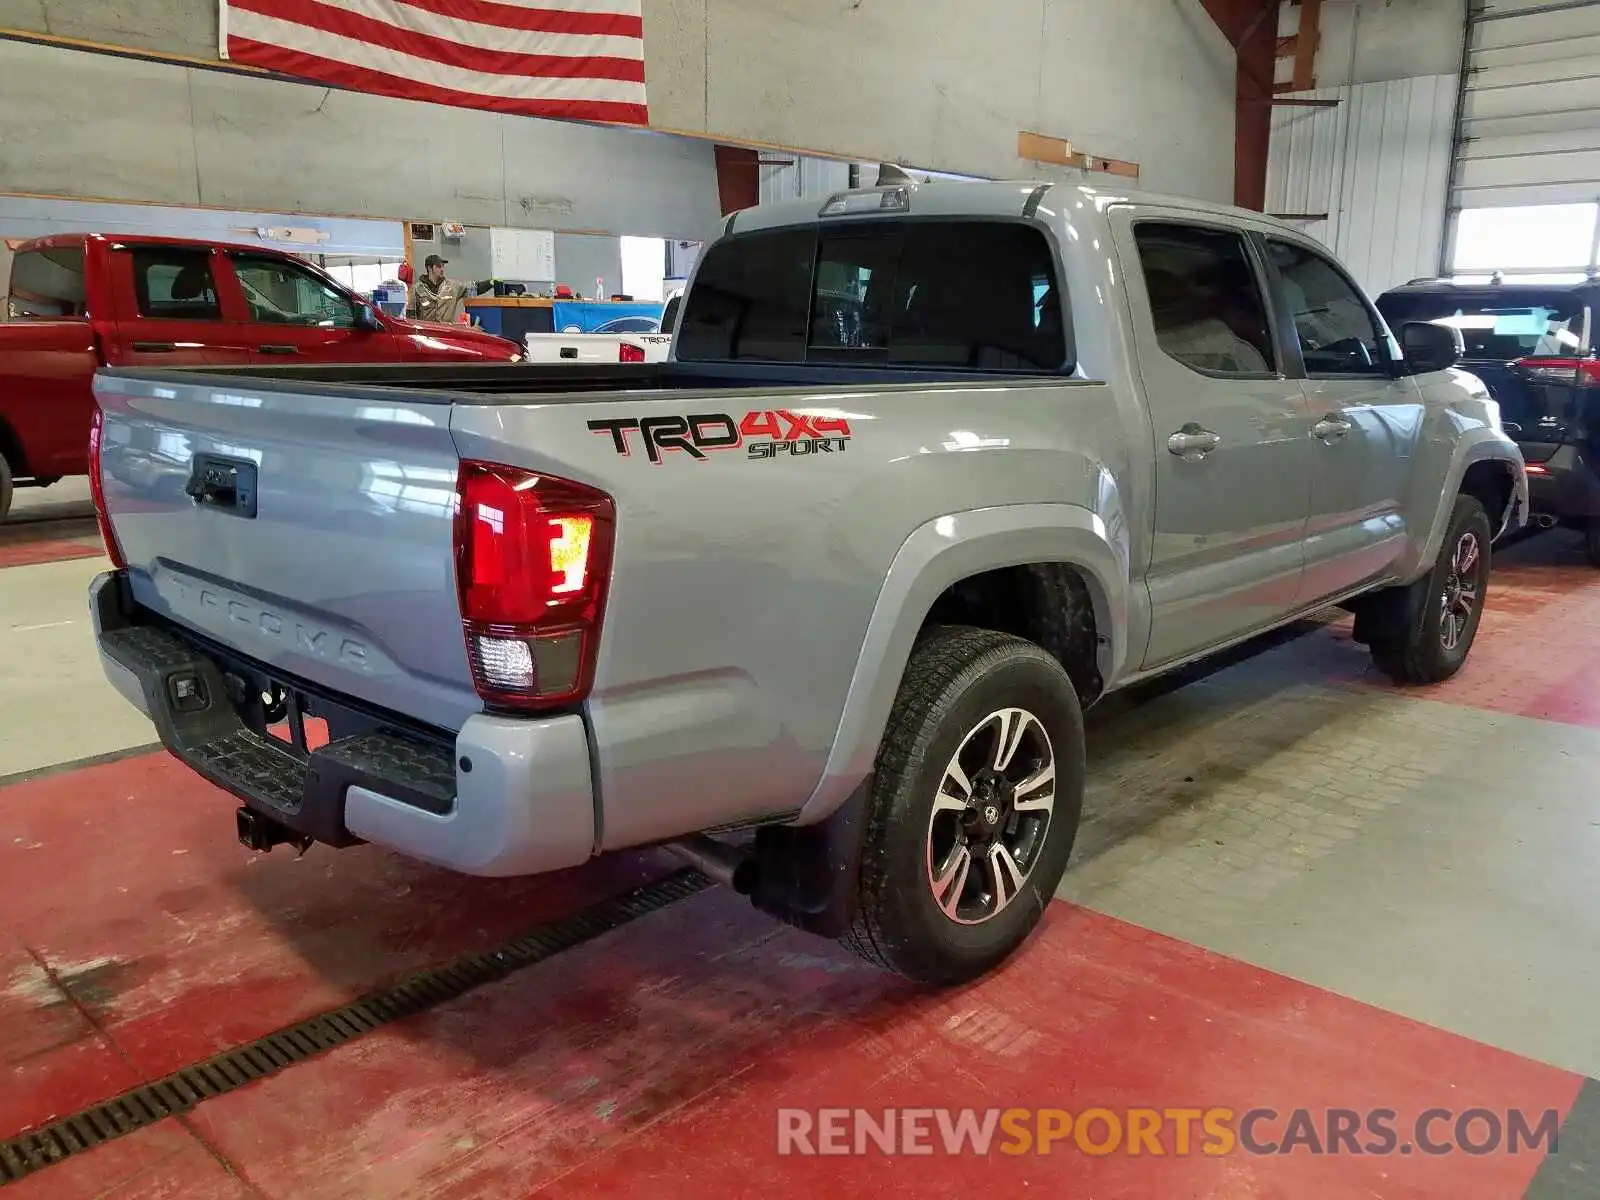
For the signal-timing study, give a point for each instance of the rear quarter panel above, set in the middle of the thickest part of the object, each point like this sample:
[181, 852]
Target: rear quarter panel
[744, 585]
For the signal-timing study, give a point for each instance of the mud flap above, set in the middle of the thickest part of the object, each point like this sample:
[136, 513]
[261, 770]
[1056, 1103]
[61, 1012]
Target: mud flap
[806, 874]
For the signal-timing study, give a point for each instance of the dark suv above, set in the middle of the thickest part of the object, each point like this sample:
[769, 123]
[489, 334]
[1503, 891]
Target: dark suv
[1533, 347]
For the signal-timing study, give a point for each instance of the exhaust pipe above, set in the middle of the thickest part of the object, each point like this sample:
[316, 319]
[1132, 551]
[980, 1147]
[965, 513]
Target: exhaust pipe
[717, 861]
[1544, 521]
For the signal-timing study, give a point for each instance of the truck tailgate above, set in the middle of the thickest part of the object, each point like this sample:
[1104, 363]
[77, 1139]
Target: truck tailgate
[330, 561]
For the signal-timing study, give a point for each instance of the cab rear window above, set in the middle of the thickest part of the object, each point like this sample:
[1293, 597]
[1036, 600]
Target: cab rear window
[945, 295]
[1498, 327]
[47, 283]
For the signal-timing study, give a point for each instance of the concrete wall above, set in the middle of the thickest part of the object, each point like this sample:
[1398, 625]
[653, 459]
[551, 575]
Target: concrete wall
[937, 84]
[27, 217]
[80, 124]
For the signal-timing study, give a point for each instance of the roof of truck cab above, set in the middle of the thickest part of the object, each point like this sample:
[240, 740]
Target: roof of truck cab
[985, 198]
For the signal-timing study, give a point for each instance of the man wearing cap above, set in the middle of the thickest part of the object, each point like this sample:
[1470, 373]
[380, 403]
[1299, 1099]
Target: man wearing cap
[435, 298]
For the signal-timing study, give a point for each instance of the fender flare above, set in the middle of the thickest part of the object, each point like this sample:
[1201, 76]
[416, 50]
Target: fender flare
[1489, 447]
[936, 555]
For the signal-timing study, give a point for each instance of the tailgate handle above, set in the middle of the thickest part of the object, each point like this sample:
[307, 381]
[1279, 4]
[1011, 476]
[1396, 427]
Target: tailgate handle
[569, 352]
[227, 484]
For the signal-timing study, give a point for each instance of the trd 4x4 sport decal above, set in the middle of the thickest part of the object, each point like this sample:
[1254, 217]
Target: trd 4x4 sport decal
[769, 434]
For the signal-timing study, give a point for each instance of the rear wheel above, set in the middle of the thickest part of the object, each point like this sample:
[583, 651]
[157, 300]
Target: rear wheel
[1446, 606]
[7, 487]
[974, 807]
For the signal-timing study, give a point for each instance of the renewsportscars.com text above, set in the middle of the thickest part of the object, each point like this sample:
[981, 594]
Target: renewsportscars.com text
[1164, 1131]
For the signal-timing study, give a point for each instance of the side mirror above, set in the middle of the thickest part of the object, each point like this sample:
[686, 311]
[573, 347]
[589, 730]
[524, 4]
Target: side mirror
[368, 321]
[1429, 347]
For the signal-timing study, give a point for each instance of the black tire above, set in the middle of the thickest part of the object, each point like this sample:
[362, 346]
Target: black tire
[956, 678]
[1591, 542]
[1425, 654]
[7, 488]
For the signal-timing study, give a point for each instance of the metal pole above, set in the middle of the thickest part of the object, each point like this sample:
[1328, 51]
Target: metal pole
[1458, 142]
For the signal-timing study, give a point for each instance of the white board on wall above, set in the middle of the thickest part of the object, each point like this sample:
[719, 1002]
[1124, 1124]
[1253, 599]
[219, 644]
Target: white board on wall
[526, 254]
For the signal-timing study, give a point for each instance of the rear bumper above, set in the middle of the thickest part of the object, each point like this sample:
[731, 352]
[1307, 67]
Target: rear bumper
[1565, 486]
[505, 796]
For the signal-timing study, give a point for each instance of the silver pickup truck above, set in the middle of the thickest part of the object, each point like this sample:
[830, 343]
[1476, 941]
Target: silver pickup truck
[819, 602]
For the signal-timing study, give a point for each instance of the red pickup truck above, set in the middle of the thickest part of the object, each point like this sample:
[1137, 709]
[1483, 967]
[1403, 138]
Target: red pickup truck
[78, 302]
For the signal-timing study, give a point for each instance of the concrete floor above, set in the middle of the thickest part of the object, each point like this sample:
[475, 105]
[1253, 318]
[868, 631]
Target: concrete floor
[1296, 886]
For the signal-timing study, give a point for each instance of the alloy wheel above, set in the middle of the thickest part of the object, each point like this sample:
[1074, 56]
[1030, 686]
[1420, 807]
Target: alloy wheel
[991, 816]
[1462, 587]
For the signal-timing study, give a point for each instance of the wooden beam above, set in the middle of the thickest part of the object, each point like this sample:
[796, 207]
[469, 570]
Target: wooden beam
[1305, 50]
[1107, 166]
[1041, 148]
[1036, 147]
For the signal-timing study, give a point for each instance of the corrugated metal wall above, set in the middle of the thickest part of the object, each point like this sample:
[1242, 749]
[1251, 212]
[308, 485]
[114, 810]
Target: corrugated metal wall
[1378, 166]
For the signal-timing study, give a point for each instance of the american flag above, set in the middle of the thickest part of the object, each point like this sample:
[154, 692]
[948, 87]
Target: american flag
[581, 60]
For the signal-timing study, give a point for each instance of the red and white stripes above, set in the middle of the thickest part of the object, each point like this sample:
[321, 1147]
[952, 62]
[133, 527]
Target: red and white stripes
[574, 59]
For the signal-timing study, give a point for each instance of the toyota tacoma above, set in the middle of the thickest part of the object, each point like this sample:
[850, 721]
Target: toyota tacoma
[819, 602]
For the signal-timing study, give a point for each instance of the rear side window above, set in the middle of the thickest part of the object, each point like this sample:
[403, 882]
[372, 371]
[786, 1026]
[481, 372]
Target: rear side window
[934, 294]
[47, 283]
[175, 284]
[750, 300]
[1205, 298]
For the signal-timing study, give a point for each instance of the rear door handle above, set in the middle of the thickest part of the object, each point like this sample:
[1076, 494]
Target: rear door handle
[1191, 443]
[279, 349]
[155, 347]
[1332, 426]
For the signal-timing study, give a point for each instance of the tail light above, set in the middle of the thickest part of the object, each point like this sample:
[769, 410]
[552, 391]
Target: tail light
[1579, 372]
[627, 352]
[533, 558]
[98, 491]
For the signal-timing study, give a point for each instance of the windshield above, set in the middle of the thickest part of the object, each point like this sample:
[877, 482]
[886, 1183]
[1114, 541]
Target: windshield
[1499, 327]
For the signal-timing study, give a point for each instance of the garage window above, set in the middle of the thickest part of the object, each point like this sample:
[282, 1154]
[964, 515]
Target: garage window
[1554, 240]
[962, 295]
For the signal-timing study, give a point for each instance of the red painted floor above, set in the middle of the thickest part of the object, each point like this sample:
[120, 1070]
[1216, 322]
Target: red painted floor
[654, 1061]
[31, 540]
[164, 1162]
[126, 881]
[1537, 652]
[31, 552]
[136, 937]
